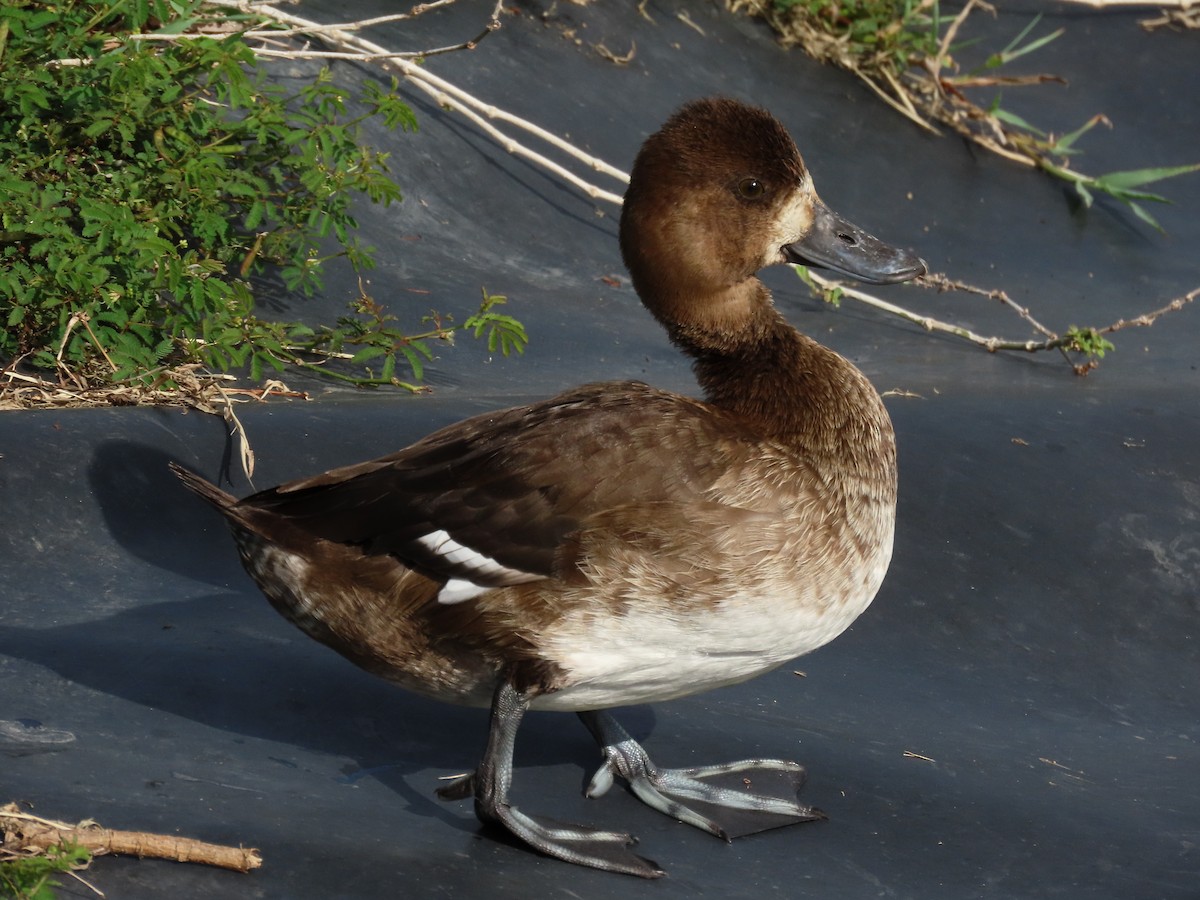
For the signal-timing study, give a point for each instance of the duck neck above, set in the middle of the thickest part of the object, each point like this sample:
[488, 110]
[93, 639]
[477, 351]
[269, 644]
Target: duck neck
[787, 385]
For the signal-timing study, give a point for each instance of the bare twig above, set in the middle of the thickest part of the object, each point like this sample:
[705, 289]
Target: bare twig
[446, 94]
[27, 834]
[1150, 318]
[683, 17]
[923, 93]
[614, 58]
[942, 283]
[1052, 341]
[313, 29]
[194, 387]
[991, 344]
[956, 24]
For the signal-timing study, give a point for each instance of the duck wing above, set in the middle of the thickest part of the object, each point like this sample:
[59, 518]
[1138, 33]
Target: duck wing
[493, 500]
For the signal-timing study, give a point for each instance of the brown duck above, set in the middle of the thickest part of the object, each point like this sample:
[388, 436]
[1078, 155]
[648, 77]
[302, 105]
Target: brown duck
[618, 544]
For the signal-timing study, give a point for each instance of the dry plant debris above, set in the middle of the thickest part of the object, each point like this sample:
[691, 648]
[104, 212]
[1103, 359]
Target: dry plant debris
[908, 63]
[25, 836]
[194, 388]
[1186, 18]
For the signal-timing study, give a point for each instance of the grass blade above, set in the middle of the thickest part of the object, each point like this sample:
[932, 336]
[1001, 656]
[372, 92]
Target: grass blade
[1132, 178]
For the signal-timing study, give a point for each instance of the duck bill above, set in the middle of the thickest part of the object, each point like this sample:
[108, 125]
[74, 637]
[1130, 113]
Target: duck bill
[835, 244]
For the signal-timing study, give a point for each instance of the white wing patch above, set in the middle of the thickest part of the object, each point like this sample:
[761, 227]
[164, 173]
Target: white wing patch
[461, 588]
[456, 590]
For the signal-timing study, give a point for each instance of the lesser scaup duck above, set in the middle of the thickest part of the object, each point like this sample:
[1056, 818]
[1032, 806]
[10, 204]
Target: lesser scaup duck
[619, 544]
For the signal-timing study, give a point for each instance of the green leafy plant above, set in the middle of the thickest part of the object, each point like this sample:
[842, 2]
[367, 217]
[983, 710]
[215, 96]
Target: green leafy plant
[146, 183]
[33, 877]
[1018, 47]
[1123, 186]
[830, 293]
[1088, 341]
[882, 33]
[1052, 153]
[372, 330]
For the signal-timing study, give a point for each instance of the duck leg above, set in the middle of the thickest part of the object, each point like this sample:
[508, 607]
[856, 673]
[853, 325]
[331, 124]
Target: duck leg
[490, 784]
[716, 799]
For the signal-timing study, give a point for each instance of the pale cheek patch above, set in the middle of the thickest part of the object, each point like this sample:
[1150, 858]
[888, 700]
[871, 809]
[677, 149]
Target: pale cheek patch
[792, 222]
[468, 563]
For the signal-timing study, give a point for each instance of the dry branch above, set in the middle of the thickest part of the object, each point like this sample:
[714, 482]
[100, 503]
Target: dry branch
[25, 834]
[1147, 319]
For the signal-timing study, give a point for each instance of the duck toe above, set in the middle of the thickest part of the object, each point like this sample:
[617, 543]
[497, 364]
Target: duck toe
[578, 844]
[730, 800]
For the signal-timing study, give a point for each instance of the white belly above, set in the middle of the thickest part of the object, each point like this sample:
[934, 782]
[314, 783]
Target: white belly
[648, 654]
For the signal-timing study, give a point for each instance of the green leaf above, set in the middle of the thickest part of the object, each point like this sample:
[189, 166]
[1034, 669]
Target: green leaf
[98, 127]
[255, 215]
[1012, 118]
[1125, 180]
[1065, 144]
[1141, 213]
[1013, 52]
[366, 354]
[414, 358]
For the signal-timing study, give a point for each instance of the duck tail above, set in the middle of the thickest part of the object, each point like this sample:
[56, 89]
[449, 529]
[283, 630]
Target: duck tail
[204, 488]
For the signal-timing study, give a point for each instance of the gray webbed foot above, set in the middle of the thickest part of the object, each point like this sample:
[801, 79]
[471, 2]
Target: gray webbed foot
[728, 801]
[490, 784]
[579, 844]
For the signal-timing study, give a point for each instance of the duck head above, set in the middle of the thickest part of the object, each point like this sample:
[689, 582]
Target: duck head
[719, 192]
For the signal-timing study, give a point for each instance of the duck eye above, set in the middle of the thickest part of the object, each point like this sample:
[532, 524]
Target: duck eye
[751, 188]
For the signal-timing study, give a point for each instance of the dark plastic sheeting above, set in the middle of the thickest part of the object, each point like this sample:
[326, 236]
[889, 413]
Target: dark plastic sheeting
[1016, 716]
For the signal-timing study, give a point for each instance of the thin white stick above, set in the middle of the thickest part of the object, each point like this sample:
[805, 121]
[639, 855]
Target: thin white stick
[515, 147]
[463, 102]
[992, 344]
[493, 112]
[365, 23]
[390, 56]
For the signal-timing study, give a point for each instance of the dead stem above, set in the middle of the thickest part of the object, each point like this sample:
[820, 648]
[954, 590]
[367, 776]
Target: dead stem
[1186, 18]
[1151, 317]
[26, 834]
[1052, 341]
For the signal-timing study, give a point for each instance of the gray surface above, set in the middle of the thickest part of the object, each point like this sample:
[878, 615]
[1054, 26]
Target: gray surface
[1036, 637]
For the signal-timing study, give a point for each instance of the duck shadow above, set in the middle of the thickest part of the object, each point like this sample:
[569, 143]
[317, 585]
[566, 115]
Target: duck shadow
[225, 660]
